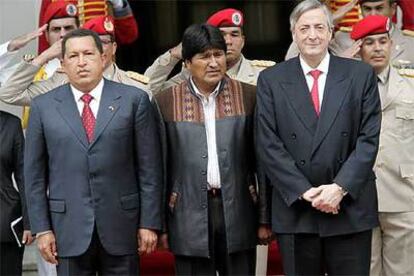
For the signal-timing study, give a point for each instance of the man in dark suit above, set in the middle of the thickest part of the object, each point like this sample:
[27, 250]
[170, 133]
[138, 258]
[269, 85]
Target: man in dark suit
[93, 185]
[318, 122]
[12, 202]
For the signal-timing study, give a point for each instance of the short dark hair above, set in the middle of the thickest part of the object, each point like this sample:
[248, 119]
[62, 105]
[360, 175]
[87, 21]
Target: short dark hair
[389, 1]
[82, 33]
[198, 38]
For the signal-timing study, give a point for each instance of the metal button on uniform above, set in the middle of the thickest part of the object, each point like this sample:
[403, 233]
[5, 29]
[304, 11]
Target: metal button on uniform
[344, 134]
[293, 136]
[302, 162]
[204, 206]
[204, 156]
[203, 172]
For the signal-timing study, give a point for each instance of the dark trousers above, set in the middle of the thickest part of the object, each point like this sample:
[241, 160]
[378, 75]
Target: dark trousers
[309, 254]
[239, 263]
[11, 257]
[96, 261]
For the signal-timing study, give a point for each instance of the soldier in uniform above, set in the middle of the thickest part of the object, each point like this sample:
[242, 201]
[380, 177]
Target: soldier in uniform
[343, 45]
[126, 25]
[393, 240]
[230, 22]
[20, 89]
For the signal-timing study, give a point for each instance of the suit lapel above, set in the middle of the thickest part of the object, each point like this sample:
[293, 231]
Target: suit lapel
[336, 88]
[108, 106]
[395, 80]
[68, 109]
[298, 94]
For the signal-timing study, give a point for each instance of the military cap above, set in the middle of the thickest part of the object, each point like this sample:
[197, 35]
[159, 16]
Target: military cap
[60, 9]
[102, 25]
[370, 25]
[226, 18]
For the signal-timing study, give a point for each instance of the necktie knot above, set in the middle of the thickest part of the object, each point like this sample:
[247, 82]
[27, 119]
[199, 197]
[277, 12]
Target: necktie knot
[86, 98]
[315, 74]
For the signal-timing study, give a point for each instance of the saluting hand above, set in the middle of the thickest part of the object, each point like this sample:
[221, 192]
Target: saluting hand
[21, 41]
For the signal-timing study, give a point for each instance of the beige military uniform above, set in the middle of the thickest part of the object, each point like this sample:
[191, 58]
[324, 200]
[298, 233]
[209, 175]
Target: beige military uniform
[20, 89]
[393, 240]
[245, 71]
[403, 45]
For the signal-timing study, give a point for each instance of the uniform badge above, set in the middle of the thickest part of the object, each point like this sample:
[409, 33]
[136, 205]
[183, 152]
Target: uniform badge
[71, 9]
[236, 18]
[388, 25]
[108, 25]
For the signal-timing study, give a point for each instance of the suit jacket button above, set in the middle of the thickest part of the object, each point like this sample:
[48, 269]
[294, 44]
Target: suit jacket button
[302, 162]
[204, 206]
[203, 172]
[344, 134]
[204, 156]
[293, 136]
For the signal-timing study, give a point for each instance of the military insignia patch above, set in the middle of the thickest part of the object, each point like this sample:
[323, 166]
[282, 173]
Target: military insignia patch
[236, 18]
[71, 10]
[108, 25]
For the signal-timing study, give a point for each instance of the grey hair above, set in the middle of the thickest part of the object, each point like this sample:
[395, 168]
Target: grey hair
[308, 5]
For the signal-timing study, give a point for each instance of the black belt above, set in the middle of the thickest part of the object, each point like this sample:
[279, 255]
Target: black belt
[214, 192]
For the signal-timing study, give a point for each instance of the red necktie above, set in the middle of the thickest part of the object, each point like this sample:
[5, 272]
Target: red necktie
[314, 92]
[88, 120]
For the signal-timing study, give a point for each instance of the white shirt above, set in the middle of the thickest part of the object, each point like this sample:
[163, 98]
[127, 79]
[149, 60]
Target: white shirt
[209, 110]
[96, 93]
[51, 66]
[323, 67]
[6, 66]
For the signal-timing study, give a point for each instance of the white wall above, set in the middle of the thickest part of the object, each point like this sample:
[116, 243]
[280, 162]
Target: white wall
[18, 17]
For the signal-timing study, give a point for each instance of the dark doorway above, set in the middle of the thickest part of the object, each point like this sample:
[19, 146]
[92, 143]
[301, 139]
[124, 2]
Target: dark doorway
[162, 23]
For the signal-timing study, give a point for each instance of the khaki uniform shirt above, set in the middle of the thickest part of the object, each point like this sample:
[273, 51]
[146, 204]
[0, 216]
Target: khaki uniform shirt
[394, 166]
[20, 89]
[245, 70]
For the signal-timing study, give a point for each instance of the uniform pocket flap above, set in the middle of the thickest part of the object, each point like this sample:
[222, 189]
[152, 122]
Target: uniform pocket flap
[404, 113]
[406, 170]
[130, 201]
[57, 206]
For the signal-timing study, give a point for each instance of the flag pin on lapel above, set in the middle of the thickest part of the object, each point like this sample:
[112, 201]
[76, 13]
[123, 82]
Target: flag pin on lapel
[111, 108]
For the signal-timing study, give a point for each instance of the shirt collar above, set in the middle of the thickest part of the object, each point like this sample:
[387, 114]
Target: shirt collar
[384, 75]
[232, 72]
[96, 93]
[323, 66]
[199, 94]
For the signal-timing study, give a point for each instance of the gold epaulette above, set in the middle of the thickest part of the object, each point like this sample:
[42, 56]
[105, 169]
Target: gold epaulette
[262, 63]
[345, 29]
[28, 57]
[401, 63]
[138, 77]
[408, 33]
[407, 72]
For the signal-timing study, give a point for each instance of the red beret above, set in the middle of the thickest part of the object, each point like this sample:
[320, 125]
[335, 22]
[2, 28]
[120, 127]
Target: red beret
[60, 9]
[226, 18]
[102, 25]
[373, 24]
